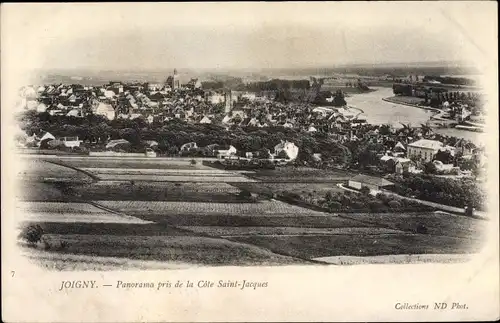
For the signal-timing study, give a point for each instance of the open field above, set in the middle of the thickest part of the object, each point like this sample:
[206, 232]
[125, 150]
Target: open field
[138, 229]
[39, 170]
[438, 224]
[188, 249]
[396, 259]
[159, 171]
[311, 247]
[160, 213]
[130, 163]
[70, 213]
[267, 188]
[257, 220]
[193, 178]
[58, 207]
[38, 191]
[70, 262]
[160, 191]
[302, 175]
[159, 208]
[285, 231]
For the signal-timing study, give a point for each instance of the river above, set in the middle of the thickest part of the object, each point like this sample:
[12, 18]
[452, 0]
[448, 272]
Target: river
[377, 111]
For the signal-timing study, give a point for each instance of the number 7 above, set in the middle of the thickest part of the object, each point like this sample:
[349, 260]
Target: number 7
[12, 272]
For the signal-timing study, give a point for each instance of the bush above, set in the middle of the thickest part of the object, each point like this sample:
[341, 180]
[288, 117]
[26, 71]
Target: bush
[394, 204]
[291, 195]
[63, 245]
[32, 233]
[358, 206]
[376, 206]
[193, 161]
[334, 206]
[244, 194]
[365, 190]
[421, 228]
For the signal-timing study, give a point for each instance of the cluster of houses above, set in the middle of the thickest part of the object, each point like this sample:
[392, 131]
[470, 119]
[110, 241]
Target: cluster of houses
[302, 116]
[284, 152]
[412, 156]
[162, 102]
[152, 102]
[38, 140]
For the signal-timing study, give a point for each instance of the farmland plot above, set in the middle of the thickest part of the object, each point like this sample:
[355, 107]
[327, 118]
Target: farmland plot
[131, 163]
[185, 249]
[302, 175]
[361, 245]
[174, 178]
[108, 228]
[257, 220]
[38, 191]
[39, 170]
[319, 189]
[285, 231]
[69, 262]
[160, 191]
[69, 212]
[441, 224]
[160, 171]
[270, 208]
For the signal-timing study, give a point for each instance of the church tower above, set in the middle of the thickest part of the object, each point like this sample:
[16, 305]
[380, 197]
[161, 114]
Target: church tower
[229, 101]
[176, 83]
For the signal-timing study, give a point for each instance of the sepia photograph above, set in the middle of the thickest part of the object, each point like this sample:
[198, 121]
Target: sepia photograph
[161, 140]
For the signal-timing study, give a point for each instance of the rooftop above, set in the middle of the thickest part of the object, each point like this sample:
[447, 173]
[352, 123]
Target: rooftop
[426, 143]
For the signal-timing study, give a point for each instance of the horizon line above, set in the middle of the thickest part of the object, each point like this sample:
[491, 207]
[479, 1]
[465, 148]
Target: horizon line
[452, 63]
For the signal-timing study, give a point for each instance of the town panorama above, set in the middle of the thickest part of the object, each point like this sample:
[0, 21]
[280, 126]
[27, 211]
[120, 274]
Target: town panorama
[342, 165]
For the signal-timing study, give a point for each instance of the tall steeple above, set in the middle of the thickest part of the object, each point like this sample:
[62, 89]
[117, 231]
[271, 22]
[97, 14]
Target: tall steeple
[228, 101]
[176, 83]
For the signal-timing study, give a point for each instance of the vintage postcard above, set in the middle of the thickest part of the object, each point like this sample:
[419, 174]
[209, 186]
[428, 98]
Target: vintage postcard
[256, 161]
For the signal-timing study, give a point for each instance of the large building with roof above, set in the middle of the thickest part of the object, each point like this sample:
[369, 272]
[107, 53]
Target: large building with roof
[424, 149]
[373, 183]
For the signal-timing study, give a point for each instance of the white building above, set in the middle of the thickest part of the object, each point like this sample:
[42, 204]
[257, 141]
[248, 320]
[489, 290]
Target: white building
[216, 98]
[155, 86]
[373, 183]
[105, 110]
[109, 94]
[73, 113]
[71, 142]
[289, 147]
[223, 153]
[188, 146]
[205, 120]
[312, 129]
[249, 96]
[424, 149]
[46, 136]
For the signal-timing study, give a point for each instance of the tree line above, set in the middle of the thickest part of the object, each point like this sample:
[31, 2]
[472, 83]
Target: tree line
[175, 133]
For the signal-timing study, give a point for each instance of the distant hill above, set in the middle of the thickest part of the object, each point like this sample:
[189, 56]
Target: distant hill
[96, 77]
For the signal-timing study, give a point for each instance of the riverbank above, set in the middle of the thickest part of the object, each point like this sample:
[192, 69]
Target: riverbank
[379, 107]
[395, 101]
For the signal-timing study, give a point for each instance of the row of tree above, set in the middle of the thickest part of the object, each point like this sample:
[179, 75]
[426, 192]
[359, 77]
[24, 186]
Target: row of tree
[356, 202]
[175, 133]
[454, 192]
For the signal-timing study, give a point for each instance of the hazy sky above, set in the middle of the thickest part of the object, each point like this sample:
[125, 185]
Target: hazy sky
[245, 35]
